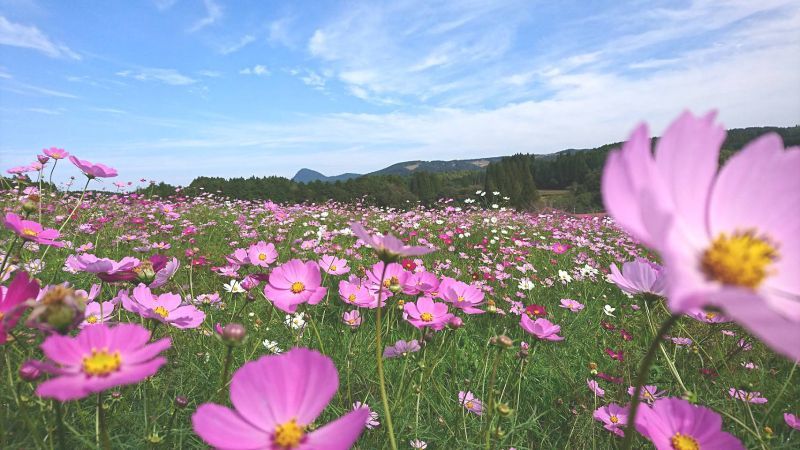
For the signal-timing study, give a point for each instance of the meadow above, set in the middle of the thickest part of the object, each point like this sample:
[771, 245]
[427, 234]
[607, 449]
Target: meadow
[471, 378]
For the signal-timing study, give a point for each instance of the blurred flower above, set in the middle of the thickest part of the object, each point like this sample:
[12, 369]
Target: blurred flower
[401, 348]
[674, 423]
[13, 301]
[372, 418]
[388, 247]
[541, 328]
[639, 277]
[749, 397]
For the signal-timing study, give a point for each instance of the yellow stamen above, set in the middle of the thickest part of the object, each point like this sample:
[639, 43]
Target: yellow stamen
[333, 267]
[91, 319]
[161, 311]
[460, 298]
[288, 435]
[426, 317]
[614, 419]
[741, 259]
[29, 232]
[469, 405]
[684, 442]
[262, 256]
[298, 287]
[101, 363]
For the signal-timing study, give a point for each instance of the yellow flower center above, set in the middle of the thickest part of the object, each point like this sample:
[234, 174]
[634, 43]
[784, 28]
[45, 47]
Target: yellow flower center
[614, 419]
[101, 363]
[742, 259]
[333, 267]
[426, 317]
[161, 311]
[469, 405]
[298, 287]
[288, 435]
[460, 298]
[262, 256]
[29, 232]
[352, 298]
[684, 442]
[710, 315]
[91, 319]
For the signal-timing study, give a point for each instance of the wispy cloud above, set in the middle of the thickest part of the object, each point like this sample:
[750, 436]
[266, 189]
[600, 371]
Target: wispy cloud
[240, 44]
[213, 13]
[24, 36]
[47, 111]
[166, 76]
[164, 5]
[210, 73]
[19, 87]
[258, 70]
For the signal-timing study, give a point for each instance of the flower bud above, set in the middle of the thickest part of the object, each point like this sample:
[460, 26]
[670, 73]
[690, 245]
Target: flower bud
[455, 323]
[29, 372]
[60, 310]
[503, 409]
[29, 206]
[181, 401]
[234, 333]
[145, 272]
[502, 341]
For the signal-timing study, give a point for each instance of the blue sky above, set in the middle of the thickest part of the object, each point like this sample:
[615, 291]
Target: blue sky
[173, 89]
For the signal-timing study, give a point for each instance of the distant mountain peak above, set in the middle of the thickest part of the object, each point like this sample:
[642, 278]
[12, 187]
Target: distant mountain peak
[305, 175]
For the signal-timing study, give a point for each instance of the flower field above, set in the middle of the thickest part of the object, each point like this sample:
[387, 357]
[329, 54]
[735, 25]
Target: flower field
[131, 321]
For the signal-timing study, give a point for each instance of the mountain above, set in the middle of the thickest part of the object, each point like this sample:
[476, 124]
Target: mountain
[456, 165]
[308, 175]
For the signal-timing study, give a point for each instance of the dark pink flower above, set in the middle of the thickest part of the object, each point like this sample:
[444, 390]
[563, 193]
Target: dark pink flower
[275, 399]
[12, 301]
[791, 420]
[93, 170]
[99, 358]
[673, 423]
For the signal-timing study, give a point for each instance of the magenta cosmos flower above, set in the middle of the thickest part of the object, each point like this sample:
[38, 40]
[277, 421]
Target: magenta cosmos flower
[165, 308]
[728, 239]
[749, 397]
[675, 424]
[293, 283]
[99, 358]
[352, 318]
[97, 312]
[791, 420]
[93, 170]
[470, 402]
[650, 393]
[541, 328]
[275, 399]
[354, 293]
[106, 269]
[639, 277]
[333, 265]
[12, 301]
[613, 416]
[595, 388]
[464, 297]
[572, 305]
[388, 247]
[427, 313]
[262, 254]
[56, 153]
[32, 231]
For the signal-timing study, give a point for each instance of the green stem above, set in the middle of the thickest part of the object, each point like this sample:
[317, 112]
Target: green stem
[490, 412]
[316, 333]
[379, 358]
[101, 430]
[226, 369]
[8, 254]
[62, 441]
[66, 221]
[641, 379]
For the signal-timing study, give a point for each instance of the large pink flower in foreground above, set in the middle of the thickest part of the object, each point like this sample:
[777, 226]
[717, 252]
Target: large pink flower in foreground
[21, 289]
[99, 358]
[275, 399]
[541, 328]
[674, 423]
[728, 239]
[293, 283]
[93, 170]
[30, 230]
[388, 247]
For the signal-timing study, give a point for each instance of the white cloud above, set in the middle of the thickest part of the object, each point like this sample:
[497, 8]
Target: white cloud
[49, 112]
[29, 89]
[279, 32]
[166, 76]
[242, 43]
[210, 73]
[17, 35]
[164, 5]
[213, 13]
[258, 70]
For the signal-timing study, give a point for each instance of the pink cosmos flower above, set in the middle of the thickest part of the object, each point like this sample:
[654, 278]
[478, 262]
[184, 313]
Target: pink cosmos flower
[98, 358]
[558, 248]
[421, 283]
[707, 316]
[262, 254]
[639, 277]
[595, 388]
[401, 348]
[464, 297]
[427, 313]
[239, 257]
[165, 308]
[728, 238]
[293, 283]
[106, 269]
[333, 265]
[541, 328]
[164, 274]
[56, 153]
[354, 293]
[572, 305]
[275, 399]
[388, 247]
[372, 418]
[673, 423]
[97, 312]
[749, 397]
[613, 416]
[12, 301]
[791, 420]
[32, 231]
[352, 318]
[93, 170]
[649, 393]
[470, 402]
[396, 278]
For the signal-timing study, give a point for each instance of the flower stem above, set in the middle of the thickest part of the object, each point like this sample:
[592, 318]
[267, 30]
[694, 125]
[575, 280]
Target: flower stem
[66, 221]
[62, 441]
[226, 369]
[379, 358]
[641, 379]
[490, 411]
[101, 430]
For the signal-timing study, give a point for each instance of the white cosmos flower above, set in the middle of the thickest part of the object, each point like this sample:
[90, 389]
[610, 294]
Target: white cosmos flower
[608, 310]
